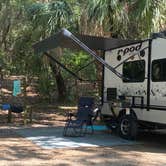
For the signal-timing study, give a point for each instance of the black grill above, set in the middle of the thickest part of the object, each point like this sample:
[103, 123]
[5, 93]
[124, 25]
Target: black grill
[111, 94]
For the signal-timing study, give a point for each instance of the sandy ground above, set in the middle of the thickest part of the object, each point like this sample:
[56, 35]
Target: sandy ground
[15, 150]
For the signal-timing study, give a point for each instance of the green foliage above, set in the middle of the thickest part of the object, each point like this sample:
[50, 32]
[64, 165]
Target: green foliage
[50, 17]
[75, 61]
[111, 15]
[129, 18]
[46, 83]
[151, 15]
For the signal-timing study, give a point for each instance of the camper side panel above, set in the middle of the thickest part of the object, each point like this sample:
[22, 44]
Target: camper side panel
[123, 59]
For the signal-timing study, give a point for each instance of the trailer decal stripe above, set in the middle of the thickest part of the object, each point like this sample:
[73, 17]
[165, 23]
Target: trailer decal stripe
[152, 107]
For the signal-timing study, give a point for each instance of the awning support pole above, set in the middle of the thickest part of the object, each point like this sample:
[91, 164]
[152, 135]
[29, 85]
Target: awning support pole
[83, 67]
[61, 65]
[91, 52]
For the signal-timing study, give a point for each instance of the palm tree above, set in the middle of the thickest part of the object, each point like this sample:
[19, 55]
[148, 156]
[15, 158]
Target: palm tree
[50, 17]
[127, 19]
[109, 15]
[148, 15]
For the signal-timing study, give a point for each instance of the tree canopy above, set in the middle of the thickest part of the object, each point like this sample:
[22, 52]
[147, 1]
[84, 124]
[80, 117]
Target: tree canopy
[25, 22]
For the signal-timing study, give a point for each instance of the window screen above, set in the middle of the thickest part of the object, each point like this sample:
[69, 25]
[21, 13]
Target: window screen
[159, 70]
[134, 71]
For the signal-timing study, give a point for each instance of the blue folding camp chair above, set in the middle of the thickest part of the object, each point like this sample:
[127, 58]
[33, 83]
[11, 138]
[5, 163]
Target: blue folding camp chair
[83, 119]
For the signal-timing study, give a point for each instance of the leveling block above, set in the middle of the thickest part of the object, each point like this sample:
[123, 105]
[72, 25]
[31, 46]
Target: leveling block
[98, 127]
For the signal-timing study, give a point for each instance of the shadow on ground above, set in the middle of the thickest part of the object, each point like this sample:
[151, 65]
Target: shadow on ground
[16, 149]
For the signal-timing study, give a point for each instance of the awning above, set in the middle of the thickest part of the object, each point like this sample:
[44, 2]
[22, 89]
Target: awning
[82, 42]
[93, 42]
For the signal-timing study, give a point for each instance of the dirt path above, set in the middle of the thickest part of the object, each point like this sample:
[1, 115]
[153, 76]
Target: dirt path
[15, 150]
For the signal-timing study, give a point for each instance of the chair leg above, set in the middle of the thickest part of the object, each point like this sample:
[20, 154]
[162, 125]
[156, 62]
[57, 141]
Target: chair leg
[85, 130]
[66, 128]
[78, 132]
[65, 131]
[92, 129]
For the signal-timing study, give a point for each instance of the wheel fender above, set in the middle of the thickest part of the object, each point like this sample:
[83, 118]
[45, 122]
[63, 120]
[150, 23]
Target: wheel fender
[124, 112]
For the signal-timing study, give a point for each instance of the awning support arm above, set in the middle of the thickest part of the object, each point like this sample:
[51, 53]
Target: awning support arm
[91, 52]
[61, 65]
[69, 71]
[83, 67]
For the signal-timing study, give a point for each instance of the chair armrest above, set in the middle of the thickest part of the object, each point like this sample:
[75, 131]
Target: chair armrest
[70, 115]
[96, 113]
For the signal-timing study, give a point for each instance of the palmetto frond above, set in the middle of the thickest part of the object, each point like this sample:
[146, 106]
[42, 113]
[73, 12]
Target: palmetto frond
[150, 14]
[112, 14]
[129, 18]
[51, 16]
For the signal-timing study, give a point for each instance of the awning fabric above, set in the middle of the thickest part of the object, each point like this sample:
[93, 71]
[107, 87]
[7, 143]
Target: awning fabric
[93, 42]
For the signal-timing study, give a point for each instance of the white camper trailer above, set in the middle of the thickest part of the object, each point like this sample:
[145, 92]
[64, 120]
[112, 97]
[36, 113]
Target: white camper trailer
[139, 99]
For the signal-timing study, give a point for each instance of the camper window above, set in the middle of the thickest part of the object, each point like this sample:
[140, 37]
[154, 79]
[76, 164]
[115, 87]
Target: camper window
[134, 71]
[159, 70]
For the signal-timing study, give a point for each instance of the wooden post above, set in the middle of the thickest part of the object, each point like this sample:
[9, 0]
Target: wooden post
[9, 116]
[30, 114]
[24, 101]
[27, 114]
[77, 91]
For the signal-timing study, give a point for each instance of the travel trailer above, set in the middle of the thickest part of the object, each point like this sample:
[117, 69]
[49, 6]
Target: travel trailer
[134, 78]
[139, 98]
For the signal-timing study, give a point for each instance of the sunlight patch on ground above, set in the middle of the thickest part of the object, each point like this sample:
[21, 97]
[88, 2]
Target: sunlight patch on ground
[67, 108]
[6, 91]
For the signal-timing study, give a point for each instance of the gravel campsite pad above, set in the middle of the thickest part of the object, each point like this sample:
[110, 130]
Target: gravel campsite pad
[17, 150]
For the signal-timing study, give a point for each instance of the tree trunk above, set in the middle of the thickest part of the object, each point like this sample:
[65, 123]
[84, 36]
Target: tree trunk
[99, 68]
[61, 86]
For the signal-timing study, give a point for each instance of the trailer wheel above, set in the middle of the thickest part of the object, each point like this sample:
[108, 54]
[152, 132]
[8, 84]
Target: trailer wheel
[127, 127]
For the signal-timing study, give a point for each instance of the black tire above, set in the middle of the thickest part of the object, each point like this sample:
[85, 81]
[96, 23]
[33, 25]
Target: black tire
[127, 127]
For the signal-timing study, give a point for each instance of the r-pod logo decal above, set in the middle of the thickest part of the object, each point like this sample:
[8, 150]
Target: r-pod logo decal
[124, 51]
